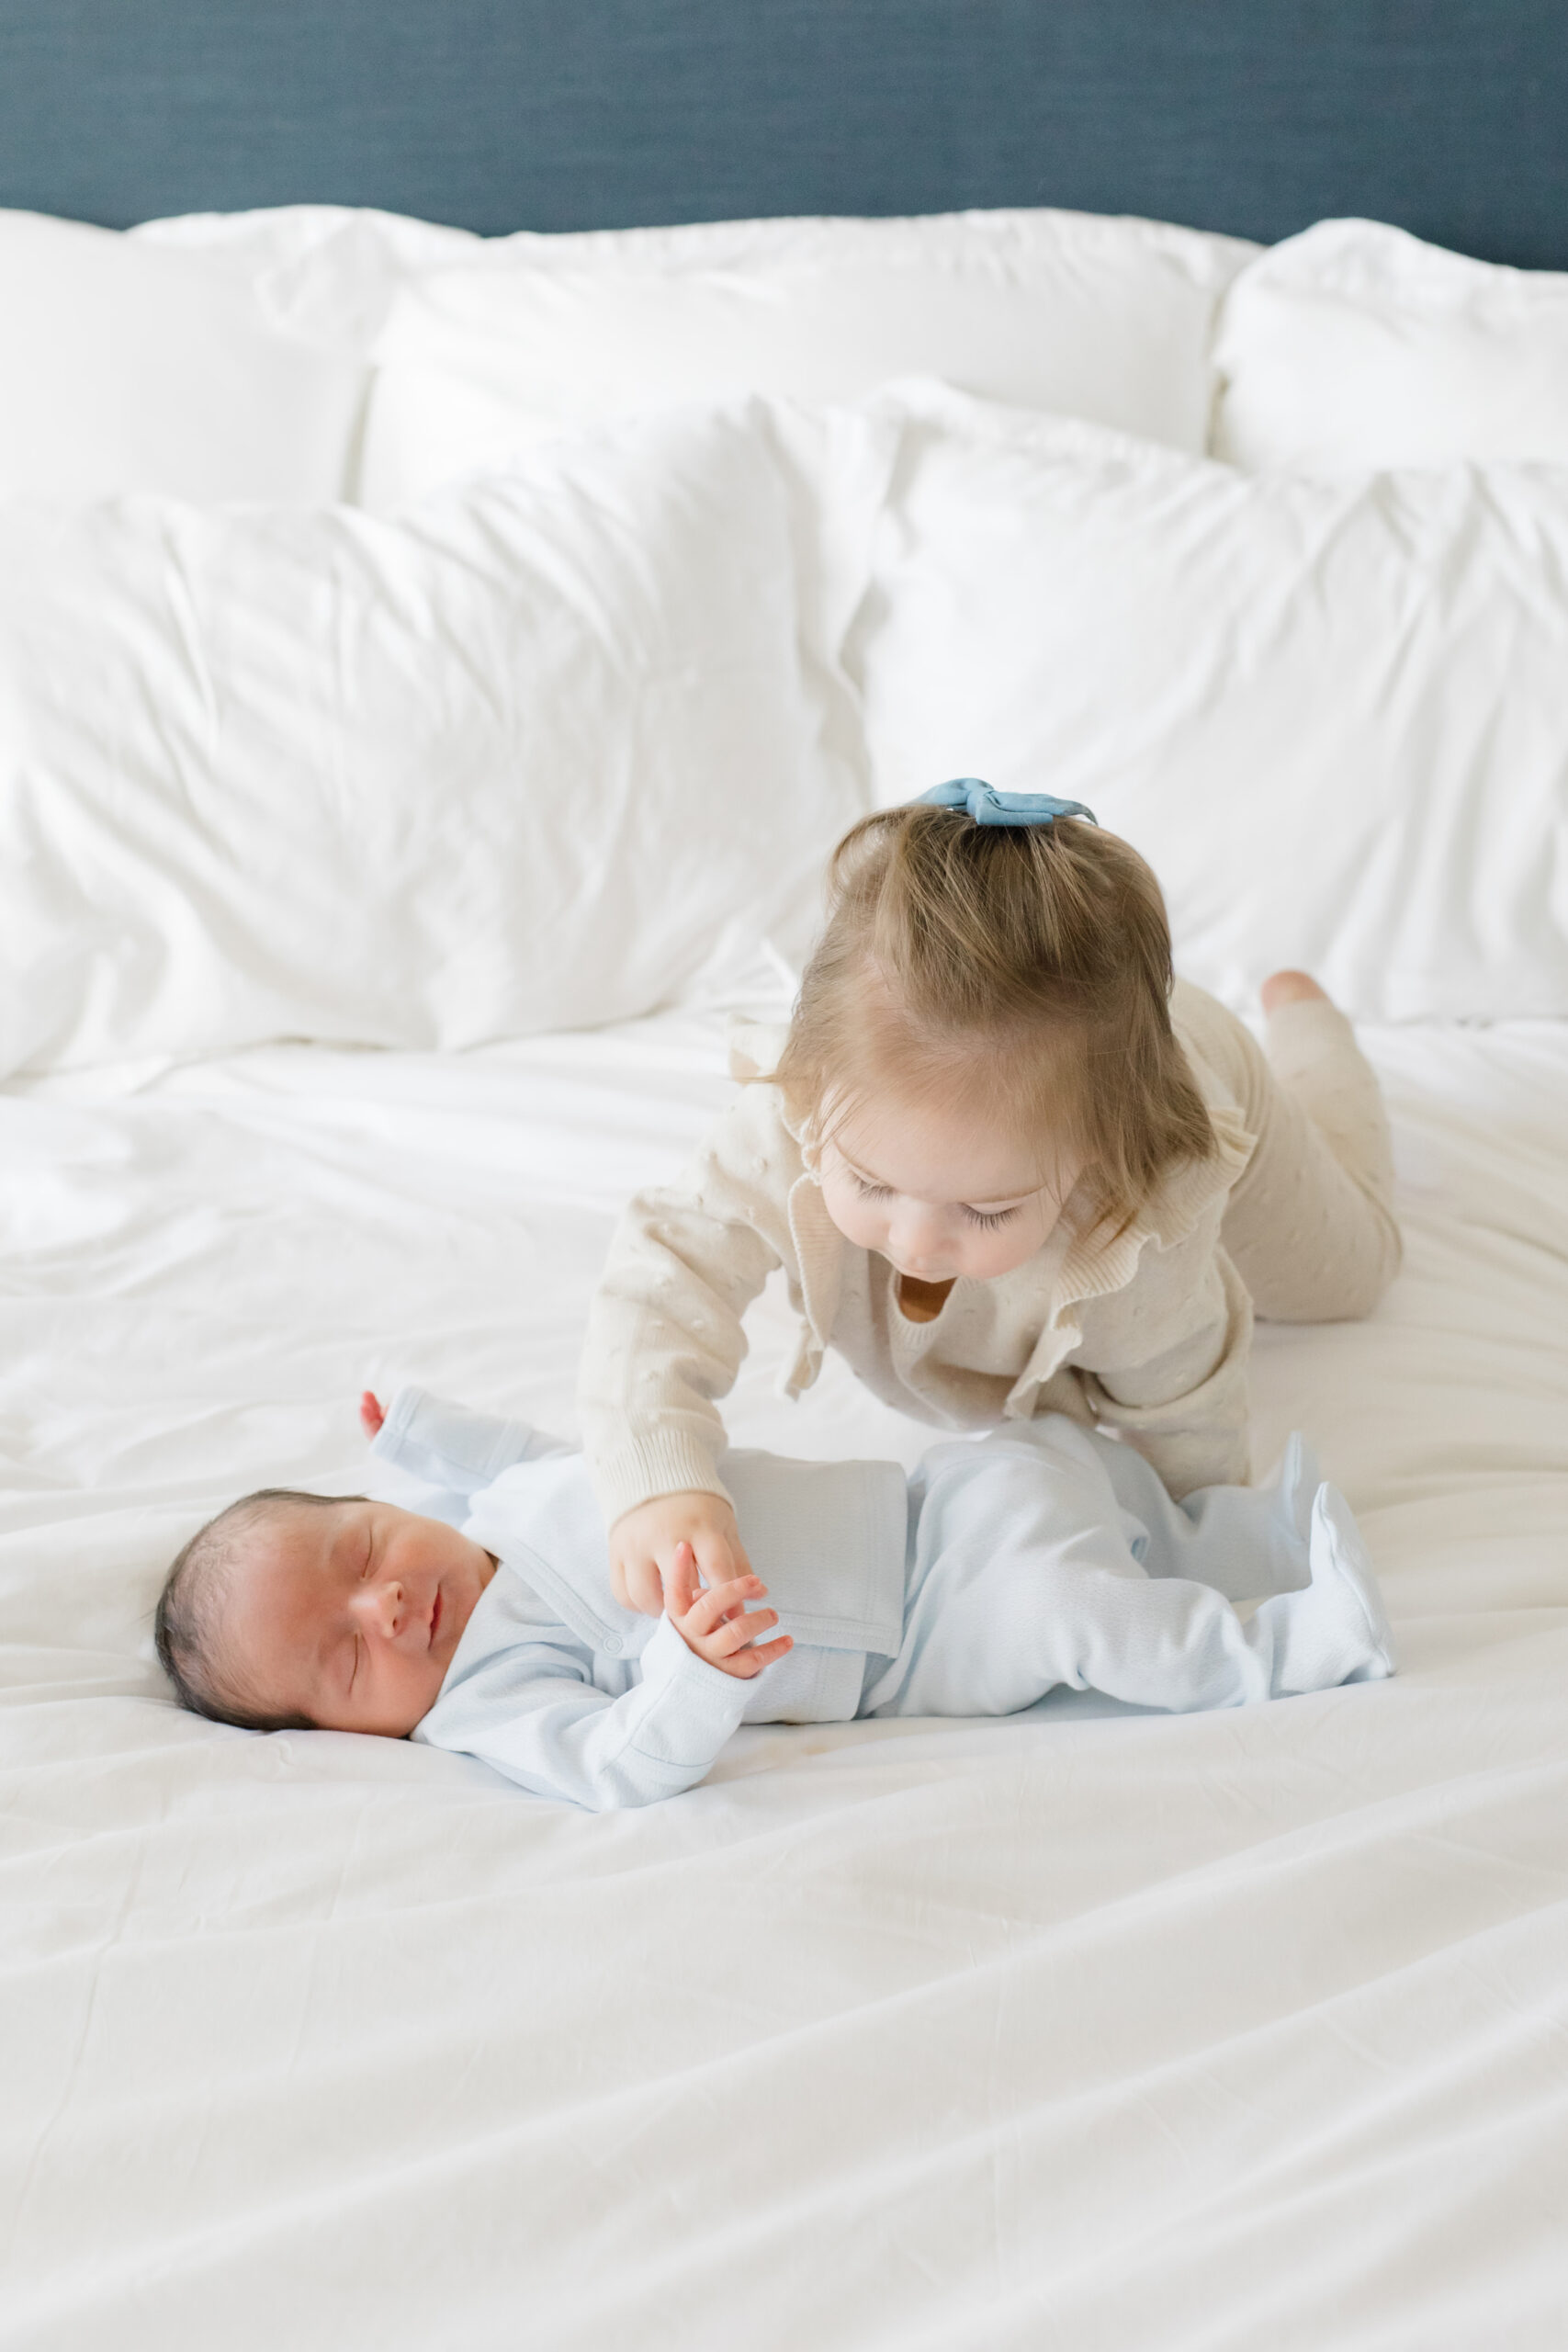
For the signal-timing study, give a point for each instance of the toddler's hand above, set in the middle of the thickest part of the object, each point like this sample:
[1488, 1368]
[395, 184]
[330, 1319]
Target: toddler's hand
[717, 1624]
[643, 1545]
[370, 1414]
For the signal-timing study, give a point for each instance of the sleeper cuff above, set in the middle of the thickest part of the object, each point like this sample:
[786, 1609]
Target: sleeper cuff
[695, 1709]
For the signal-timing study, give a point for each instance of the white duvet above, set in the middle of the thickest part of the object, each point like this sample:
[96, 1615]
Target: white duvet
[1083, 2029]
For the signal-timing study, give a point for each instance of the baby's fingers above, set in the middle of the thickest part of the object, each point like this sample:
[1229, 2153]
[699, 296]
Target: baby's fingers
[738, 1633]
[720, 1600]
[751, 1662]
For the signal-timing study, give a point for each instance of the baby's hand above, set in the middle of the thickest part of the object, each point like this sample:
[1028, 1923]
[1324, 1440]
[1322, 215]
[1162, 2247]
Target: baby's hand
[717, 1624]
[643, 1545]
[370, 1414]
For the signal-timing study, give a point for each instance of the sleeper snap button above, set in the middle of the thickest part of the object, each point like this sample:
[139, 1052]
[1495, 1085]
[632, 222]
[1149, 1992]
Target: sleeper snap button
[612, 1643]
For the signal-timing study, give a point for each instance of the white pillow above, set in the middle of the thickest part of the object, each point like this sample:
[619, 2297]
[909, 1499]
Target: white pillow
[125, 369]
[327, 271]
[1355, 346]
[513, 765]
[1107, 318]
[1330, 715]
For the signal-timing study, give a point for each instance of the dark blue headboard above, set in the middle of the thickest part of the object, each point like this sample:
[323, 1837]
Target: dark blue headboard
[1450, 116]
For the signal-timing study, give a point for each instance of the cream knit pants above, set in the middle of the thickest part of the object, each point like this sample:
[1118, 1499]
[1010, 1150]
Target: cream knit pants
[1311, 1225]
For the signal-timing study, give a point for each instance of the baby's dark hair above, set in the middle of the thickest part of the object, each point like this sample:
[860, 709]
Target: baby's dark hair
[185, 1621]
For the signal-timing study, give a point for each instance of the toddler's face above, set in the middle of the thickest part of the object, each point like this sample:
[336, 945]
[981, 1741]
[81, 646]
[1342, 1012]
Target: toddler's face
[938, 1197]
[348, 1613]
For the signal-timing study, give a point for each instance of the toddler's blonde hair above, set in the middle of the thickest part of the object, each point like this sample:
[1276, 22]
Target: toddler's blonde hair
[1020, 975]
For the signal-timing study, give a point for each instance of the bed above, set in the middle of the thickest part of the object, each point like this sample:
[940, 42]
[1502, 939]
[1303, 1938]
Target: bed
[1090, 2027]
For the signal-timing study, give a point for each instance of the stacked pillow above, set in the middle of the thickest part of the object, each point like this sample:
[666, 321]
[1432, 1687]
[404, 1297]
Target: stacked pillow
[624, 656]
[1351, 346]
[482, 347]
[1329, 713]
[527, 756]
[1324, 695]
[1355, 345]
[1104, 318]
[125, 367]
[514, 764]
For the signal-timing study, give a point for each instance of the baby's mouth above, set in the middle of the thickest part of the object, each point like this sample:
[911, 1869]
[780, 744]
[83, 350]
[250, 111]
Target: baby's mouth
[434, 1618]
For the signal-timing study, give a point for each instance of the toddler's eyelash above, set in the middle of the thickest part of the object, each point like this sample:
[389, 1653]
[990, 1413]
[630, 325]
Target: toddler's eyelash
[985, 1220]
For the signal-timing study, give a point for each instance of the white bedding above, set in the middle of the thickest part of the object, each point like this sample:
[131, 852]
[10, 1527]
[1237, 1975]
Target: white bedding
[1085, 2029]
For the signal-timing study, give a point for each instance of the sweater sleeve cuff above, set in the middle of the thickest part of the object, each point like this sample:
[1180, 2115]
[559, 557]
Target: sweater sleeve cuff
[664, 1462]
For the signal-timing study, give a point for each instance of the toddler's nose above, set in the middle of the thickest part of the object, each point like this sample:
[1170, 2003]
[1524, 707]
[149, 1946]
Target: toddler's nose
[915, 1236]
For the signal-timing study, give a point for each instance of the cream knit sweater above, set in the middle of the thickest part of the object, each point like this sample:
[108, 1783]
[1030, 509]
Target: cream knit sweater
[1146, 1334]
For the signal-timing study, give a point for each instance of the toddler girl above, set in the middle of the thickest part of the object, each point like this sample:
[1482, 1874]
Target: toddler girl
[1008, 1167]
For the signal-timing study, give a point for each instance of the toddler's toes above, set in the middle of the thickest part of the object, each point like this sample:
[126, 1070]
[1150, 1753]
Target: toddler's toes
[1290, 988]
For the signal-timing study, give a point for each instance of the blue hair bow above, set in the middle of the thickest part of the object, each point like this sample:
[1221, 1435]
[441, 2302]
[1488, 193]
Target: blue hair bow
[992, 808]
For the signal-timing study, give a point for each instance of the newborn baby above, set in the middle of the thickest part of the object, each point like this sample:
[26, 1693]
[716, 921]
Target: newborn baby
[1007, 1567]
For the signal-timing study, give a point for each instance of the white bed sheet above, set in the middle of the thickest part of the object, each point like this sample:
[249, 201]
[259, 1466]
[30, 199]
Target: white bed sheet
[1087, 2029]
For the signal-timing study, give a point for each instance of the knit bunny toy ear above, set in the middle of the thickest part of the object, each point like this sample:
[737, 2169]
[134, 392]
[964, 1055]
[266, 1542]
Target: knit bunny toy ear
[988, 807]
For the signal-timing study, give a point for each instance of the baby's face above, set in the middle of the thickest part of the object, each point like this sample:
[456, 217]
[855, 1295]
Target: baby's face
[348, 1613]
[926, 1192]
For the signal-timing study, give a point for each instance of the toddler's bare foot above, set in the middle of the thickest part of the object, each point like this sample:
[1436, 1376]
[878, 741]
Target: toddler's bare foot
[1290, 988]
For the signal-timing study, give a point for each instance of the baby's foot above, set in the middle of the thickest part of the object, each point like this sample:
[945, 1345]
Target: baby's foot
[1335, 1631]
[1291, 987]
[1336, 1535]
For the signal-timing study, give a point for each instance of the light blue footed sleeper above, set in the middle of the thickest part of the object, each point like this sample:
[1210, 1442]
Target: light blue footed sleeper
[1009, 1565]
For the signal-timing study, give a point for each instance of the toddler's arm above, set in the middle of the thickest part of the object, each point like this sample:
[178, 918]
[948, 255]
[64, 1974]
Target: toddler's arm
[665, 1340]
[1184, 1408]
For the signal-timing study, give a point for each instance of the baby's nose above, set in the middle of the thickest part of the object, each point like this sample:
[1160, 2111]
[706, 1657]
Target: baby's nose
[386, 1605]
